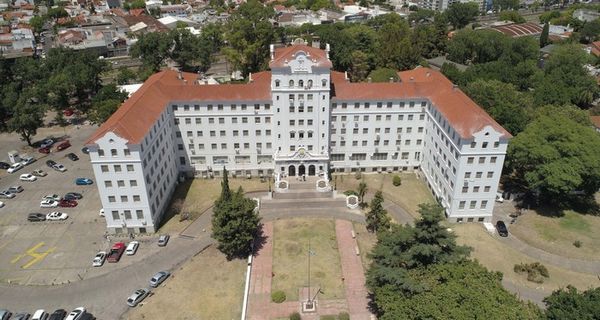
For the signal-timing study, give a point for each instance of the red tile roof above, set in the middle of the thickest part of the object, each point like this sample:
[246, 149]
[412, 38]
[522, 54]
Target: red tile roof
[465, 115]
[136, 115]
[282, 55]
[519, 29]
[596, 121]
[595, 46]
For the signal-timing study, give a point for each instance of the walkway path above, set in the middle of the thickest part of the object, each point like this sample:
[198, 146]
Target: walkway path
[352, 272]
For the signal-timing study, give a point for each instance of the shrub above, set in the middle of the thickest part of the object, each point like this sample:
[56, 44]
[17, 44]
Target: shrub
[327, 317]
[396, 181]
[295, 316]
[358, 175]
[343, 316]
[577, 243]
[278, 296]
[536, 272]
[350, 193]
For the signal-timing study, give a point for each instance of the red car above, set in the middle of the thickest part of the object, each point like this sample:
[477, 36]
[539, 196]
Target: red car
[116, 252]
[63, 145]
[45, 150]
[68, 112]
[67, 203]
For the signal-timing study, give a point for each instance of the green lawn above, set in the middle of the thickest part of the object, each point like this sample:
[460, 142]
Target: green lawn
[366, 241]
[290, 259]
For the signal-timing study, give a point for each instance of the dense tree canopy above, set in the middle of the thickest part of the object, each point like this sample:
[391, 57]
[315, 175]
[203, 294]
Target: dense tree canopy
[461, 14]
[569, 304]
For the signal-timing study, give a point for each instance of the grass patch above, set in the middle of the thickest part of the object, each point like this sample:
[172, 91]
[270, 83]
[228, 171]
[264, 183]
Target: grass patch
[408, 195]
[366, 241]
[198, 195]
[557, 234]
[496, 256]
[192, 290]
[290, 260]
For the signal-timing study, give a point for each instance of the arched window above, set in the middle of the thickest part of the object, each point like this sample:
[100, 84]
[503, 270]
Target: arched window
[310, 83]
[277, 83]
[291, 83]
[324, 83]
[301, 83]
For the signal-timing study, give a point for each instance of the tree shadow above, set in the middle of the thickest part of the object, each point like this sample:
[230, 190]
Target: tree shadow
[176, 203]
[259, 240]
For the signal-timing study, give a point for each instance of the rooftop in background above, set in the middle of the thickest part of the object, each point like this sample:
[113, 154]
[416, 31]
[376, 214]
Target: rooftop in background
[519, 29]
[437, 63]
[596, 122]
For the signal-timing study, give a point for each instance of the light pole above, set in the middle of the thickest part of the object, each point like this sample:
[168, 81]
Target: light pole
[309, 302]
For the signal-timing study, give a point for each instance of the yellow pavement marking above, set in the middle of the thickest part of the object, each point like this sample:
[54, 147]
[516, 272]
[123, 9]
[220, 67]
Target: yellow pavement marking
[32, 252]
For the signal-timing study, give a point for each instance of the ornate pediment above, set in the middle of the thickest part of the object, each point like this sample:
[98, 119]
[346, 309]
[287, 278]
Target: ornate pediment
[302, 63]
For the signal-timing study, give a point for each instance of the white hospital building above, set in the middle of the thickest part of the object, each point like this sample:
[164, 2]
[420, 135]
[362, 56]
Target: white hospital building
[299, 118]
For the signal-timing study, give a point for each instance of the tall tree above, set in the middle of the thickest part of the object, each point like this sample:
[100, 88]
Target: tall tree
[186, 48]
[235, 222]
[544, 36]
[360, 66]
[377, 218]
[362, 191]
[556, 155]
[153, 48]
[395, 49]
[27, 116]
[461, 14]
[569, 304]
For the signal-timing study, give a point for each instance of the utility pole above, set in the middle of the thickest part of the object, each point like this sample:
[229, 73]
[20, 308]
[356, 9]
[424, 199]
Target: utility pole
[309, 302]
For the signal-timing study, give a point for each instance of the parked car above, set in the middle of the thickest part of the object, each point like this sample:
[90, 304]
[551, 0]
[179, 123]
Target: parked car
[501, 227]
[5, 314]
[158, 278]
[50, 163]
[15, 167]
[15, 189]
[59, 167]
[99, 259]
[40, 314]
[73, 196]
[27, 160]
[67, 203]
[132, 248]
[6, 194]
[47, 143]
[1, 204]
[48, 204]
[44, 150]
[58, 314]
[76, 314]
[72, 156]
[116, 252]
[21, 316]
[54, 197]
[27, 177]
[83, 181]
[56, 216]
[137, 297]
[39, 173]
[163, 239]
[36, 217]
[4, 165]
[68, 112]
[63, 145]
[85, 150]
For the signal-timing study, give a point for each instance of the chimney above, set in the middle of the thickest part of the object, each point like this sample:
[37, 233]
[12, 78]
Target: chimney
[391, 79]
[369, 80]
[428, 74]
[412, 78]
[250, 77]
[454, 87]
[179, 75]
[346, 75]
[272, 50]
[316, 42]
[327, 50]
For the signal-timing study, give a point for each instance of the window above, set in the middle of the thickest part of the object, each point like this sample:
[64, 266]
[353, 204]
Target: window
[476, 189]
[136, 198]
[481, 159]
[120, 183]
[108, 184]
[465, 189]
[100, 153]
[467, 175]
[483, 204]
[133, 183]
[473, 144]
[484, 145]
[126, 152]
[478, 175]
[139, 214]
[461, 205]
[492, 160]
[117, 168]
[124, 199]
[472, 204]
[490, 174]
[277, 82]
[470, 160]
[486, 189]
[112, 199]
[113, 152]
[496, 144]
[129, 167]
[104, 168]
[291, 83]
[115, 214]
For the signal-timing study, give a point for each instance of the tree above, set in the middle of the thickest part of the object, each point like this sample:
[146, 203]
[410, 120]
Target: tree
[461, 14]
[394, 47]
[511, 108]
[569, 304]
[27, 116]
[235, 222]
[125, 75]
[186, 48]
[591, 31]
[505, 5]
[544, 36]
[556, 155]
[37, 23]
[477, 46]
[360, 66]
[512, 15]
[383, 75]
[153, 48]
[377, 218]
[362, 191]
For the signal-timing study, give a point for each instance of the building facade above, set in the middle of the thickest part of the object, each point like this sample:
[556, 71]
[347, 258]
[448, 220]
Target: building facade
[299, 118]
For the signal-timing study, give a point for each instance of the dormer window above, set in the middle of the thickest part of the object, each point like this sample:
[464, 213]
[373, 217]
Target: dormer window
[291, 83]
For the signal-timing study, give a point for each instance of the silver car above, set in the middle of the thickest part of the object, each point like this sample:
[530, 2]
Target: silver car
[137, 297]
[158, 278]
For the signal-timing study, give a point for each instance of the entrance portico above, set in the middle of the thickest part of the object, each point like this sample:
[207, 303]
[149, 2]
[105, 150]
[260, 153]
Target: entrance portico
[301, 163]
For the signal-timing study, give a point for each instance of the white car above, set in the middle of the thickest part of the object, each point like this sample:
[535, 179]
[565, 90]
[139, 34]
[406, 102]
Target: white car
[15, 167]
[40, 314]
[59, 167]
[76, 314]
[99, 259]
[132, 248]
[48, 204]
[54, 197]
[137, 296]
[27, 177]
[1, 204]
[27, 160]
[57, 216]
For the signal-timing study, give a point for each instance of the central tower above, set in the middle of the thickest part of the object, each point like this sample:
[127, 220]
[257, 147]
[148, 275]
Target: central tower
[300, 85]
